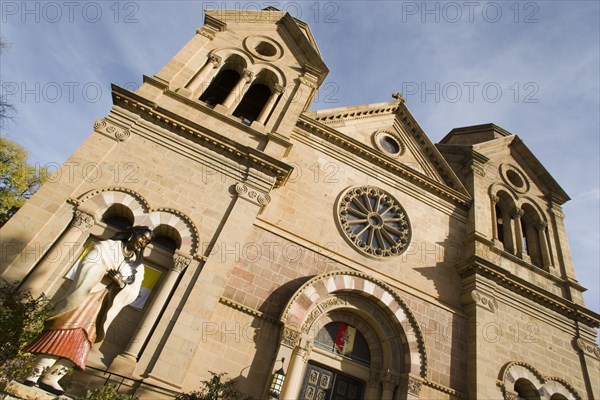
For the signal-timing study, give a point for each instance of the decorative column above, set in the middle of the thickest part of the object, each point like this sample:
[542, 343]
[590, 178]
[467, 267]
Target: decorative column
[389, 381]
[63, 252]
[180, 263]
[268, 107]
[495, 200]
[544, 250]
[213, 61]
[294, 376]
[238, 91]
[518, 234]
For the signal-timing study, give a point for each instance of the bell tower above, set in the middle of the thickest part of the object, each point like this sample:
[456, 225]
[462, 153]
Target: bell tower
[249, 73]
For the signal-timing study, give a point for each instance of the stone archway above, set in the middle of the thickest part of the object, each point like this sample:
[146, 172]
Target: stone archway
[388, 325]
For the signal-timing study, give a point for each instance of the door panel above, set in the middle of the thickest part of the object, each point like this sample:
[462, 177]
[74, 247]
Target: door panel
[325, 384]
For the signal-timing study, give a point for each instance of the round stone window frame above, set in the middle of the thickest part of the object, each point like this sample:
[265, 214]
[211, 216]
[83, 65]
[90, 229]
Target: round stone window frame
[511, 175]
[375, 221]
[378, 136]
[252, 43]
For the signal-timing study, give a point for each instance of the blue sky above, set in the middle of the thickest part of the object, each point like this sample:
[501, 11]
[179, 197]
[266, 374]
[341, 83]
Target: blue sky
[531, 67]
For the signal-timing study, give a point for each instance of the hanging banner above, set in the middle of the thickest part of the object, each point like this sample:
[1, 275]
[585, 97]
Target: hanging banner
[344, 341]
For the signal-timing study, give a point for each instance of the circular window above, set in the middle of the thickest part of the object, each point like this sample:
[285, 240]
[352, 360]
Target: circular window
[263, 47]
[373, 222]
[388, 143]
[266, 49]
[514, 177]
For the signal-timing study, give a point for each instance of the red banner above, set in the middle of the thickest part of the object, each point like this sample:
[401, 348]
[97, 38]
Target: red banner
[344, 341]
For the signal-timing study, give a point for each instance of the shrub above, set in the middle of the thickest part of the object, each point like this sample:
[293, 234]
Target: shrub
[107, 392]
[22, 319]
[215, 389]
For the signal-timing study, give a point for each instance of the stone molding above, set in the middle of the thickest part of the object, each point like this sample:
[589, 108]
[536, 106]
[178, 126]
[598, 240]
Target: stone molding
[484, 300]
[369, 154]
[252, 195]
[175, 124]
[570, 310]
[247, 310]
[515, 370]
[111, 130]
[97, 201]
[298, 307]
[587, 347]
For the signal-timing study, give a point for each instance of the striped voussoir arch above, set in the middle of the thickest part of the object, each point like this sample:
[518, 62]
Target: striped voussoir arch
[98, 201]
[313, 295]
[545, 386]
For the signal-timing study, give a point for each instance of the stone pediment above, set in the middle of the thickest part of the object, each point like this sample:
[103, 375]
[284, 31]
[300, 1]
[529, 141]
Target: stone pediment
[503, 151]
[391, 133]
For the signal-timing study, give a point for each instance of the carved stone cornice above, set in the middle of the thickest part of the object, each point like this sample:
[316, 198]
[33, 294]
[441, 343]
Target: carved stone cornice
[252, 195]
[444, 389]
[82, 220]
[484, 300]
[588, 347]
[111, 130]
[181, 126]
[247, 310]
[481, 266]
[180, 263]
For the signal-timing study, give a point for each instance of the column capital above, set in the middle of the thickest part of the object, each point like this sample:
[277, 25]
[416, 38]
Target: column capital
[517, 213]
[414, 386]
[214, 59]
[540, 225]
[82, 220]
[495, 199]
[180, 263]
[278, 89]
[389, 380]
[247, 75]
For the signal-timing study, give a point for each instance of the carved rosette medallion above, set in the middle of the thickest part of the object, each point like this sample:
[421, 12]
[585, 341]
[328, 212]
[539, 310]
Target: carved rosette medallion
[252, 195]
[102, 126]
[373, 222]
[590, 348]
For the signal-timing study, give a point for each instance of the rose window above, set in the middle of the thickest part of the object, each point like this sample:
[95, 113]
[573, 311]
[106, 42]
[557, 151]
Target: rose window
[374, 222]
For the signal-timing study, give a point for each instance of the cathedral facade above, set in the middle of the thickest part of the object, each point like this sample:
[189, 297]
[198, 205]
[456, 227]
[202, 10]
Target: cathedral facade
[331, 254]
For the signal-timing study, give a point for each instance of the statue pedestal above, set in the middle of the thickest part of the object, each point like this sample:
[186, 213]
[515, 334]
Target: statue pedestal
[16, 390]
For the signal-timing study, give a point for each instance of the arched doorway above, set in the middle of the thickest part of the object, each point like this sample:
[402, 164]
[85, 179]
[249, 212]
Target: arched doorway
[349, 336]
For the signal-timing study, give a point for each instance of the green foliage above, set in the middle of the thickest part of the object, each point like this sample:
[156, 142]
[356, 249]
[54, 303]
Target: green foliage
[22, 319]
[18, 180]
[108, 392]
[215, 389]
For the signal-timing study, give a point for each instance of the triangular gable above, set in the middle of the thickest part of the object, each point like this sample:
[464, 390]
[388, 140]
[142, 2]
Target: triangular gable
[496, 143]
[368, 123]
